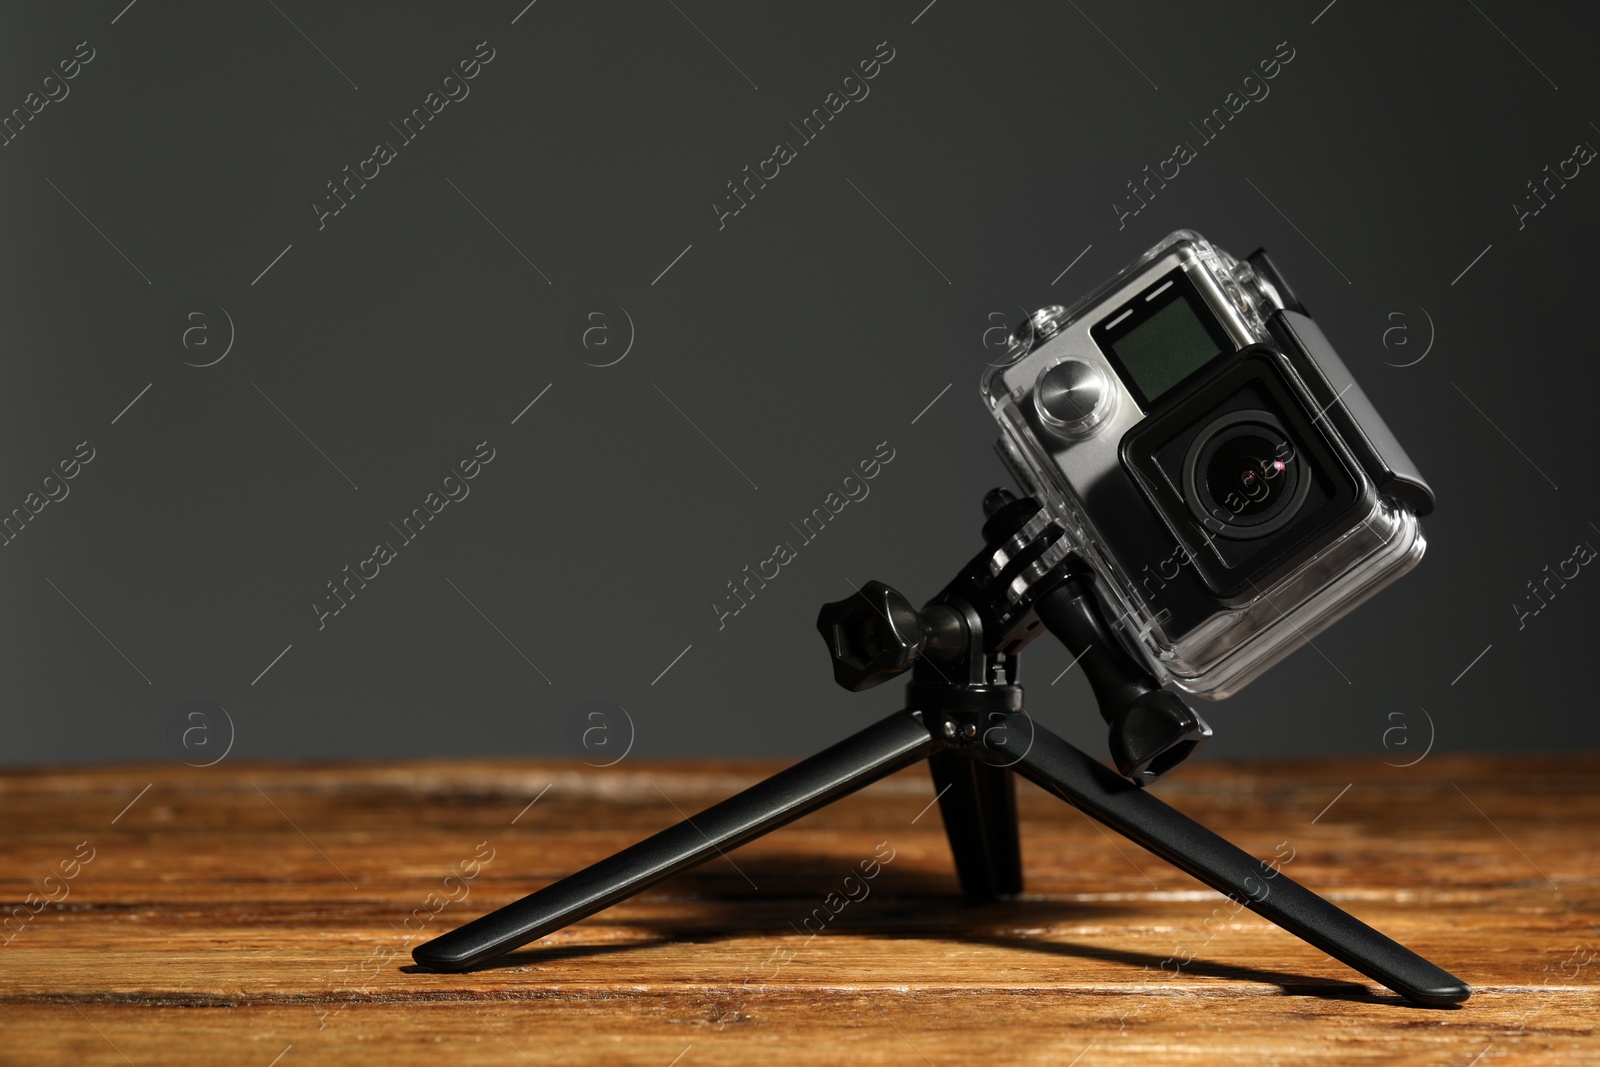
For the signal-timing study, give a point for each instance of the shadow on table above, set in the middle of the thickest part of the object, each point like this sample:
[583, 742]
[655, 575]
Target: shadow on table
[921, 905]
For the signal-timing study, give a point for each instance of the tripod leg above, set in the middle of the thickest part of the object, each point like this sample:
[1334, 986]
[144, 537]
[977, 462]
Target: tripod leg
[879, 750]
[979, 804]
[1131, 811]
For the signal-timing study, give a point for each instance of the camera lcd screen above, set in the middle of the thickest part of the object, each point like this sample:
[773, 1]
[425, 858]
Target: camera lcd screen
[1161, 337]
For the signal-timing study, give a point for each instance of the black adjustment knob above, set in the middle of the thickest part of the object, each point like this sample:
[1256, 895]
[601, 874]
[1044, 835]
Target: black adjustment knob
[1153, 734]
[873, 636]
[1152, 730]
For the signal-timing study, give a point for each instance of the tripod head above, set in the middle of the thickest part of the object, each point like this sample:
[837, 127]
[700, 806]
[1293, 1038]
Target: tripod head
[963, 644]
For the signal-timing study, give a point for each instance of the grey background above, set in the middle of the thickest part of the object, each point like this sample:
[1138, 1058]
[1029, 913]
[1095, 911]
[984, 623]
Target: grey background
[796, 338]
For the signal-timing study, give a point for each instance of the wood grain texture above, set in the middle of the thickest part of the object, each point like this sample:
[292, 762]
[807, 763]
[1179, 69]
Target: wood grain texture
[232, 912]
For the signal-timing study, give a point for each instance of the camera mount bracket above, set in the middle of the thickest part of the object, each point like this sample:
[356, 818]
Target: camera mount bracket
[964, 715]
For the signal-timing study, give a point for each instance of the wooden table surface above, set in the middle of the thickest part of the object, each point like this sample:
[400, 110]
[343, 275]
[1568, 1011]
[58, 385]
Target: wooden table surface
[251, 914]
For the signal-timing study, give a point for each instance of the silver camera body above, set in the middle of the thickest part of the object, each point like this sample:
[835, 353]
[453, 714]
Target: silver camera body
[1209, 455]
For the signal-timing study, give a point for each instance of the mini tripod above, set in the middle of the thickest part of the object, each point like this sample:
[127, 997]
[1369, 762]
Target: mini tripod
[964, 716]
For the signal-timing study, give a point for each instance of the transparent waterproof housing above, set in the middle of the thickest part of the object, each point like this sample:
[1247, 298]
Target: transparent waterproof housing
[1070, 394]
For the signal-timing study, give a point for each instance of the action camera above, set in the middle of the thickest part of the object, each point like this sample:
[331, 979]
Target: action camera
[1211, 458]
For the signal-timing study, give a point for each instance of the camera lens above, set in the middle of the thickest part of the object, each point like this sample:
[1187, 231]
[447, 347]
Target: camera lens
[1241, 476]
[1249, 469]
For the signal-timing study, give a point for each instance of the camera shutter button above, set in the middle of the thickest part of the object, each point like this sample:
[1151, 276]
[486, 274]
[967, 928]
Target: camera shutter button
[1073, 398]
